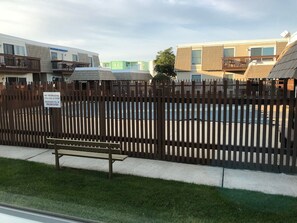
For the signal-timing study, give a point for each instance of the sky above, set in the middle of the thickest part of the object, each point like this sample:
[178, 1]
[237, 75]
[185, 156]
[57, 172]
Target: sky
[138, 29]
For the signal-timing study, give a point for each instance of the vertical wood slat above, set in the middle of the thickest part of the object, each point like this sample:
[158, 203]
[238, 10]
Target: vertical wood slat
[150, 133]
[283, 128]
[235, 123]
[71, 106]
[208, 135]
[29, 120]
[230, 132]
[214, 121]
[264, 133]
[108, 113]
[168, 122]
[132, 127]
[252, 132]
[16, 119]
[198, 140]
[241, 152]
[294, 152]
[173, 121]
[120, 114]
[193, 148]
[203, 123]
[224, 146]
[125, 120]
[146, 120]
[141, 128]
[129, 121]
[137, 115]
[288, 132]
[187, 127]
[258, 130]
[89, 108]
[247, 130]
[182, 123]
[35, 118]
[270, 125]
[178, 126]
[219, 138]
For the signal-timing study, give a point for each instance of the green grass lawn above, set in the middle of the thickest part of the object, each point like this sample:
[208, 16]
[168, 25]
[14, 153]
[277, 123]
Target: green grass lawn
[89, 194]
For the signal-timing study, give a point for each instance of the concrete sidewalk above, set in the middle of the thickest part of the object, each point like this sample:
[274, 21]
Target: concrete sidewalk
[271, 183]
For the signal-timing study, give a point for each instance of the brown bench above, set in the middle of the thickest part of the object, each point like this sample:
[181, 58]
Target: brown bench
[83, 148]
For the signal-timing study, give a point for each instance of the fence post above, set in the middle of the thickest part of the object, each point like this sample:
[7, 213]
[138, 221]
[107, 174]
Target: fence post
[160, 123]
[56, 121]
[102, 123]
[9, 107]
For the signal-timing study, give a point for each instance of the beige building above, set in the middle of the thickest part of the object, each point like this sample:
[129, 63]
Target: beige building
[229, 59]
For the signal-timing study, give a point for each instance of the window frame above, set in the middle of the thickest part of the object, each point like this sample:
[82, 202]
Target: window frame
[228, 48]
[192, 58]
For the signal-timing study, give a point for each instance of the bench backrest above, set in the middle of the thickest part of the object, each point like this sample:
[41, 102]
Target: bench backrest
[82, 145]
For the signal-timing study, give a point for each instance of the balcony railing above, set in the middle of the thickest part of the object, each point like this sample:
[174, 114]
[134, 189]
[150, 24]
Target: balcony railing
[18, 64]
[63, 66]
[241, 63]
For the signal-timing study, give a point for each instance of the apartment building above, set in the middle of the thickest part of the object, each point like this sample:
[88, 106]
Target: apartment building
[127, 65]
[130, 70]
[23, 60]
[229, 59]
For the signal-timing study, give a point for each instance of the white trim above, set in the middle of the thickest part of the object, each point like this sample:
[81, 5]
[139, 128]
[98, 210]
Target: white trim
[236, 42]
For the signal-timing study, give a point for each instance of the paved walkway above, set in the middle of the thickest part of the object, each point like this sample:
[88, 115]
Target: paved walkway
[271, 183]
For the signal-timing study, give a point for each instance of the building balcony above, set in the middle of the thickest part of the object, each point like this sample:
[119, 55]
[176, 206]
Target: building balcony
[240, 64]
[18, 64]
[66, 67]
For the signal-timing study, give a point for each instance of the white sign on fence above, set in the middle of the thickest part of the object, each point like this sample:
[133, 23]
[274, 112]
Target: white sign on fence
[52, 99]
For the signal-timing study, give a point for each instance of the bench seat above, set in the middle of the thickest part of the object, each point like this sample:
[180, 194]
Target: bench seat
[86, 148]
[117, 157]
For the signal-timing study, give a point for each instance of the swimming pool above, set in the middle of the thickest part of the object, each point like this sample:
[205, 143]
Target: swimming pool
[172, 111]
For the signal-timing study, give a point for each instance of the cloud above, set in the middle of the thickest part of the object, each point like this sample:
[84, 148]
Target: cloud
[138, 29]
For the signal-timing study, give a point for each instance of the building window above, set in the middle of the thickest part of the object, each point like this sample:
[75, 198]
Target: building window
[196, 57]
[229, 52]
[11, 80]
[90, 62]
[106, 65]
[8, 49]
[19, 50]
[229, 76]
[262, 51]
[54, 55]
[196, 77]
[74, 57]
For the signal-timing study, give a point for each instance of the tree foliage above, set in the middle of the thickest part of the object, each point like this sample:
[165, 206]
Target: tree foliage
[164, 62]
[161, 77]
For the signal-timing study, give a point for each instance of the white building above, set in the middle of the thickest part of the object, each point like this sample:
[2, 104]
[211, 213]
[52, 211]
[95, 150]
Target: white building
[23, 60]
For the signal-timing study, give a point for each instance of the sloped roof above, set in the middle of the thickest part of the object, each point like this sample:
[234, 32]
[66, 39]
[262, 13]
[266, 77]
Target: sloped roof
[286, 66]
[99, 73]
[91, 74]
[258, 70]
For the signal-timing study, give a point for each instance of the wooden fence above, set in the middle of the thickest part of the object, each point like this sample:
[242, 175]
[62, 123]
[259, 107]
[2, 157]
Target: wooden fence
[230, 124]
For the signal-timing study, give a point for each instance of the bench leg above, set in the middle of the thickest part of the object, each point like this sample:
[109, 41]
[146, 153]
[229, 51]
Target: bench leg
[110, 166]
[57, 160]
